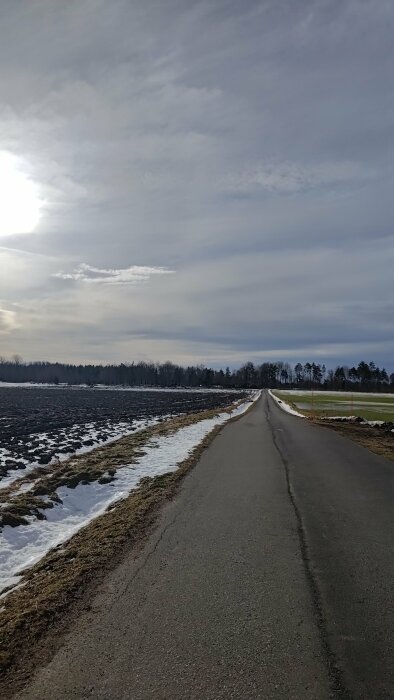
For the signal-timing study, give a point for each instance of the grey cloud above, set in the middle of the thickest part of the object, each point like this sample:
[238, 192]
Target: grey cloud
[248, 146]
[289, 177]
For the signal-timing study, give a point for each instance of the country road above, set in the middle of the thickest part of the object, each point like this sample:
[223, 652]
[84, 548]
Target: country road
[269, 576]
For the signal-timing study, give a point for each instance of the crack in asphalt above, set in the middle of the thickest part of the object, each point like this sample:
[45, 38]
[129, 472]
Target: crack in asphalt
[146, 557]
[339, 690]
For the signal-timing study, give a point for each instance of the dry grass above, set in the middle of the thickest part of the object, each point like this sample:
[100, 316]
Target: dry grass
[35, 616]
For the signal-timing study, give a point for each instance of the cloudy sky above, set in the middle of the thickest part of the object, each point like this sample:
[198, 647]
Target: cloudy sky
[202, 181]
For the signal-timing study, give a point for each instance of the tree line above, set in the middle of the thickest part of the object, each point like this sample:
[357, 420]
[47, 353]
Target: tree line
[364, 377]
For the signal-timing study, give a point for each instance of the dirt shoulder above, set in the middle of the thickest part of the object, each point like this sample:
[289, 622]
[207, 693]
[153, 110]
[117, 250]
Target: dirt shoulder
[35, 617]
[378, 440]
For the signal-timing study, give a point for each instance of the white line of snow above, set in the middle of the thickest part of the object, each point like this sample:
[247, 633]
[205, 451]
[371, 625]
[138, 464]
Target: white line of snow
[23, 546]
[353, 419]
[346, 419]
[27, 384]
[121, 387]
[285, 406]
[340, 394]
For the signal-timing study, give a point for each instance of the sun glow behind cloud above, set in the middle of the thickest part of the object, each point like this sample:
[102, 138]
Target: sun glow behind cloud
[19, 200]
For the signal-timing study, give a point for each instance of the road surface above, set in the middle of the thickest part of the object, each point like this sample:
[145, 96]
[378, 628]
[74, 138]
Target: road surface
[269, 576]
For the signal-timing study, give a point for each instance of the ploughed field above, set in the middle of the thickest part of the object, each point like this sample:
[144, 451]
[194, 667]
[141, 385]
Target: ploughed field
[370, 407]
[39, 426]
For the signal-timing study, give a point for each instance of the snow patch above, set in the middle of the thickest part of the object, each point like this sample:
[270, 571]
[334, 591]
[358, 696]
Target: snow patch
[285, 406]
[117, 431]
[359, 420]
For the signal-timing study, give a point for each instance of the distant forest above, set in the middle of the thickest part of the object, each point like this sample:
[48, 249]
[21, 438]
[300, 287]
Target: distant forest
[364, 377]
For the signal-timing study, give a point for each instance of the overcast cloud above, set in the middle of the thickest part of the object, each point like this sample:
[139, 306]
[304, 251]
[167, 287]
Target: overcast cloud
[216, 180]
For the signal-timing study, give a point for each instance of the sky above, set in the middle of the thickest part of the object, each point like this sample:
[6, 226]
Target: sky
[197, 181]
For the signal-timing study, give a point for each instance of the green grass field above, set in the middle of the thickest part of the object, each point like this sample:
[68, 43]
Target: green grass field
[338, 403]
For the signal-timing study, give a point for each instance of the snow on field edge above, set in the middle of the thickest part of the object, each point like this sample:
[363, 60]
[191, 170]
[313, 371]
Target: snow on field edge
[120, 429]
[23, 546]
[120, 387]
[285, 406]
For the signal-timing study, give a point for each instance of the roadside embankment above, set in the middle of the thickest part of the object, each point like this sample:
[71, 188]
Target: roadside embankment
[90, 524]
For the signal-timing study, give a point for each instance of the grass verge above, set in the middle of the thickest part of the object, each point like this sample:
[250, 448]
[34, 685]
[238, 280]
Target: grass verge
[320, 403]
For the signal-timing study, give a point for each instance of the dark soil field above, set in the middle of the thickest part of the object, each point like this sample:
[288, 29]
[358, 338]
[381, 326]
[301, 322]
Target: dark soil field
[38, 425]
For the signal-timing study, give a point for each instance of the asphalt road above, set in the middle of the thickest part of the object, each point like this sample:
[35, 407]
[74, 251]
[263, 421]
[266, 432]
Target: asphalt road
[269, 576]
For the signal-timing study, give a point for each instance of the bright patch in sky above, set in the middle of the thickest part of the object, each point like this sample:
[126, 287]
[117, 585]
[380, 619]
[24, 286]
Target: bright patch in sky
[19, 201]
